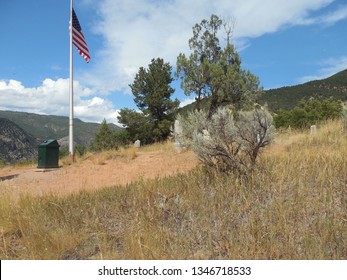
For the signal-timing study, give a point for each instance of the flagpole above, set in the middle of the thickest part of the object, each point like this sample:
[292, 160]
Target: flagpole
[71, 144]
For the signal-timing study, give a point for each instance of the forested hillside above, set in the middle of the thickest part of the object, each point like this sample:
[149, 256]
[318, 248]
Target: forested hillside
[53, 127]
[15, 143]
[288, 97]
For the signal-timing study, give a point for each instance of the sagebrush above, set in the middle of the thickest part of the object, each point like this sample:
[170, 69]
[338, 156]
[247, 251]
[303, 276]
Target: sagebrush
[228, 141]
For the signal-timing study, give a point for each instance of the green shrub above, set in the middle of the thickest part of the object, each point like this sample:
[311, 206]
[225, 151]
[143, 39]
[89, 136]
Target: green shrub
[79, 150]
[2, 163]
[309, 113]
[228, 143]
[105, 139]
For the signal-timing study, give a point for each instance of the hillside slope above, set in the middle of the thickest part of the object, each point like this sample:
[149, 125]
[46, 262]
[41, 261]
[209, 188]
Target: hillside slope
[288, 97]
[15, 143]
[53, 127]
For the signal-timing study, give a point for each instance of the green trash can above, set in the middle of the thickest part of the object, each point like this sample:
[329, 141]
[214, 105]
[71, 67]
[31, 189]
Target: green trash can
[48, 154]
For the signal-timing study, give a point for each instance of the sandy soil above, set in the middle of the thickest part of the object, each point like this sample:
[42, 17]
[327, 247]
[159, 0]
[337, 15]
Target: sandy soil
[92, 174]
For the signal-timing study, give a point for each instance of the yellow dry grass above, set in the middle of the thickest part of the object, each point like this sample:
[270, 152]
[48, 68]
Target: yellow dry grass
[293, 206]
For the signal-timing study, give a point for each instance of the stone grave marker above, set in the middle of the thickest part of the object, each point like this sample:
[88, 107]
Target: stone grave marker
[137, 144]
[178, 135]
[313, 130]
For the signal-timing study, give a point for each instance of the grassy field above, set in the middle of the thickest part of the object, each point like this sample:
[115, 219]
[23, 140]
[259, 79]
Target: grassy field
[294, 206]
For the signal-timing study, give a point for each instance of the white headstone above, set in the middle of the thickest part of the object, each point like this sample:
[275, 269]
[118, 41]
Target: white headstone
[178, 134]
[313, 130]
[137, 144]
[178, 127]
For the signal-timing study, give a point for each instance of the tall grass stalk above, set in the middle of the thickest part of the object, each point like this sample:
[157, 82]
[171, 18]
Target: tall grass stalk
[293, 206]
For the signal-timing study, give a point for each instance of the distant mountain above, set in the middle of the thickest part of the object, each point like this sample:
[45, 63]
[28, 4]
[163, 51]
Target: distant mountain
[53, 127]
[15, 143]
[288, 97]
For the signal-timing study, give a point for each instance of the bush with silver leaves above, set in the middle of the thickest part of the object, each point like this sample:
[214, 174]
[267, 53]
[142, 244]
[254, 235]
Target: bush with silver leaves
[228, 141]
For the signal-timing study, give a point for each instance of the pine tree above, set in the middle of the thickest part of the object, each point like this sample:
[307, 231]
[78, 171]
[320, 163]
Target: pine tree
[104, 138]
[152, 91]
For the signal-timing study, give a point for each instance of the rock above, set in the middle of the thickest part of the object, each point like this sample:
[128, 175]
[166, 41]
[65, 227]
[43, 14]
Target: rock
[15, 143]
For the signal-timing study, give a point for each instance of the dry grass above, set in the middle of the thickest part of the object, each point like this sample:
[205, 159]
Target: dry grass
[166, 146]
[128, 153]
[292, 207]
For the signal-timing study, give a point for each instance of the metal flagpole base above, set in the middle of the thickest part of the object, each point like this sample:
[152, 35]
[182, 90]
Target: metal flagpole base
[71, 158]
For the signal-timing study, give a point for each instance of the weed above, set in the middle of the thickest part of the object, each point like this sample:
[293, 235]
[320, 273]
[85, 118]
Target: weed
[292, 206]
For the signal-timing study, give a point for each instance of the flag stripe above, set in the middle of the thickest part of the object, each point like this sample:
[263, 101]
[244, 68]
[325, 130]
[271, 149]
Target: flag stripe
[78, 38]
[80, 43]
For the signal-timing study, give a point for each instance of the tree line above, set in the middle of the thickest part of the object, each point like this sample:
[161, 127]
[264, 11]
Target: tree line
[212, 73]
[211, 70]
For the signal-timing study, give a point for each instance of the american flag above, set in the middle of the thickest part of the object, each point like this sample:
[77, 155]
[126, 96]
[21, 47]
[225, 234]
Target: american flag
[78, 38]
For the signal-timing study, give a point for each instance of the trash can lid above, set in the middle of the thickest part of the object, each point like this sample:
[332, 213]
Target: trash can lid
[52, 143]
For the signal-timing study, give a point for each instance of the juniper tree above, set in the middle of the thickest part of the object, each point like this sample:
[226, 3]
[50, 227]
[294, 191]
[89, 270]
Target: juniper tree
[213, 71]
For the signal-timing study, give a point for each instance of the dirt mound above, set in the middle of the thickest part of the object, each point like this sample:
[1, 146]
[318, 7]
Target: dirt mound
[94, 173]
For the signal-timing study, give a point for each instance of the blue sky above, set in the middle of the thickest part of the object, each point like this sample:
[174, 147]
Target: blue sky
[282, 42]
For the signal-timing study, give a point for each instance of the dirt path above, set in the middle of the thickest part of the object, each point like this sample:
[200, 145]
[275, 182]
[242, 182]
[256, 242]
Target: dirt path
[92, 174]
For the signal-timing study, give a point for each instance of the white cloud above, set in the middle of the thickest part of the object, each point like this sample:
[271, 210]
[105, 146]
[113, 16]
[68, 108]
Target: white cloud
[135, 31]
[328, 68]
[56, 68]
[96, 109]
[52, 97]
[337, 15]
[332, 17]
[186, 102]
